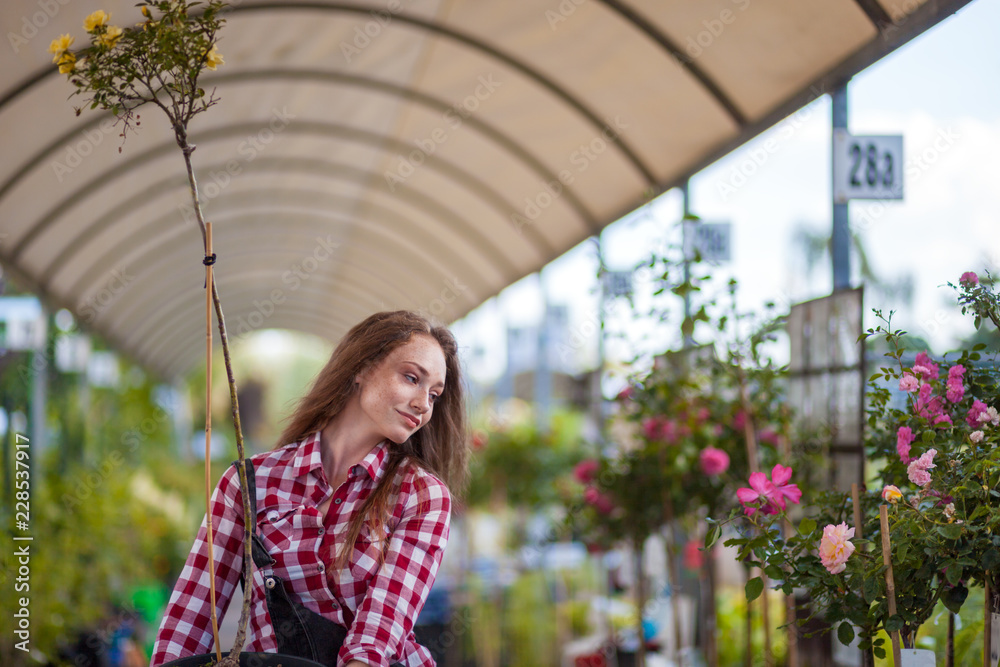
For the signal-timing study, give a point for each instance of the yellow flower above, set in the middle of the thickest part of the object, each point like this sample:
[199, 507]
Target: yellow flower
[67, 63]
[59, 46]
[213, 59]
[145, 12]
[110, 36]
[96, 20]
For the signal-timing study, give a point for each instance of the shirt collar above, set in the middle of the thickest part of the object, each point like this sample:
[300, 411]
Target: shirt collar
[308, 458]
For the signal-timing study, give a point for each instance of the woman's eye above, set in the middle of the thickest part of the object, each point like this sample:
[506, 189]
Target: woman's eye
[412, 377]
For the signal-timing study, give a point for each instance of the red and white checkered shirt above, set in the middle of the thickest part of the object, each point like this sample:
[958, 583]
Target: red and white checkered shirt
[378, 604]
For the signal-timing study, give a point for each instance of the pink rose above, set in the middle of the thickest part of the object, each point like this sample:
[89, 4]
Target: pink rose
[969, 277]
[600, 502]
[908, 383]
[904, 437]
[891, 494]
[836, 547]
[955, 388]
[972, 417]
[917, 470]
[929, 368]
[586, 471]
[713, 461]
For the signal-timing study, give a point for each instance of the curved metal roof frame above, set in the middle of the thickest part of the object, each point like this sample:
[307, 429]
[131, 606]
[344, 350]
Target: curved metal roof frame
[513, 178]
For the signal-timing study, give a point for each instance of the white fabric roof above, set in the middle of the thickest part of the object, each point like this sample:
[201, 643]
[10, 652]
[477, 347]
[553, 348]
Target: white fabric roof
[474, 105]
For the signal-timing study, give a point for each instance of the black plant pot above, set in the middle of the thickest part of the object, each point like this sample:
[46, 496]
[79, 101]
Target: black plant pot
[247, 659]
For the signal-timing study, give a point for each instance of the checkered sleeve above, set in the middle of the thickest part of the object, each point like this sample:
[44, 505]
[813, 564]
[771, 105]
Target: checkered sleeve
[186, 628]
[396, 595]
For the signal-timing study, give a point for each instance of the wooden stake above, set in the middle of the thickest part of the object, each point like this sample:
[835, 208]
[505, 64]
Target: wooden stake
[987, 621]
[890, 584]
[867, 657]
[792, 652]
[208, 436]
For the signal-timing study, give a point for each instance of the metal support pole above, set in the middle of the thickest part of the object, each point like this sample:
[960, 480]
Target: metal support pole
[597, 392]
[543, 377]
[686, 202]
[841, 241]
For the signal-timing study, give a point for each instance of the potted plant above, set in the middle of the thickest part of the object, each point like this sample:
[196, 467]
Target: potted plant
[158, 61]
[929, 529]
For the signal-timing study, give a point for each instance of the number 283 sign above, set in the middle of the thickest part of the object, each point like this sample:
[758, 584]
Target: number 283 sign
[867, 167]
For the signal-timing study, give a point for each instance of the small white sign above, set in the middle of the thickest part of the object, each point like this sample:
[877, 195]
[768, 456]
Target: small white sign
[867, 167]
[917, 657]
[711, 239]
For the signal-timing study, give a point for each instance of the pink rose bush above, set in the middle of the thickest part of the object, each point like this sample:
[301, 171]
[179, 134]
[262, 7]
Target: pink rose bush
[932, 435]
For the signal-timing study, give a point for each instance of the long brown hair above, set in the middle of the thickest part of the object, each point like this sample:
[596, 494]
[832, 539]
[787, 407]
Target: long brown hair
[440, 446]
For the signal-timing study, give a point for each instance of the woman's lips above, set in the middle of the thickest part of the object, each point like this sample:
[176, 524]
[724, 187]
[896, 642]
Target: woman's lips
[412, 420]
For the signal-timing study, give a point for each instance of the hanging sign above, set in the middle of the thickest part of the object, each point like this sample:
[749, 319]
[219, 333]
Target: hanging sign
[867, 167]
[711, 240]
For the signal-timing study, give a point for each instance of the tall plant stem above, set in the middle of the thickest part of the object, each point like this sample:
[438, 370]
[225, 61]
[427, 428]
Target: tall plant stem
[233, 657]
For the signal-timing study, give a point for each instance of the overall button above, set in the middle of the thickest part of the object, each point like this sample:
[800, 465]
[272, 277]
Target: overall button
[321, 567]
[337, 501]
[322, 531]
[272, 515]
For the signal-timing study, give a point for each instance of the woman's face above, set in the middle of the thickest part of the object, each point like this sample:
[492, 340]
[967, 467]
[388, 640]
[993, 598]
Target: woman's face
[398, 394]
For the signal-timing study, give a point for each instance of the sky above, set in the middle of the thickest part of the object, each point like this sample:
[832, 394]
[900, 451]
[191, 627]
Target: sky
[939, 91]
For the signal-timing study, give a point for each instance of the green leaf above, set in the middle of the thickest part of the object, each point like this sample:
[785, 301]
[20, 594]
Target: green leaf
[894, 624]
[713, 535]
[953, 573]
[870, 589]
[952, 531]
[754, 588]
[991, 559]
[845, 633]
[879, 652]
[807, 526]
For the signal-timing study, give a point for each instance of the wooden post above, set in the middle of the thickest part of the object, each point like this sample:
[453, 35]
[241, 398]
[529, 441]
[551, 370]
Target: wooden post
[208, 436]
[792, 653]
[754, 463]
[890, 584]
[867, 657]
[987, 621]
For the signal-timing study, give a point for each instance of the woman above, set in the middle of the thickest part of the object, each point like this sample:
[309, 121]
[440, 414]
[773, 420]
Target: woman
[352, 509]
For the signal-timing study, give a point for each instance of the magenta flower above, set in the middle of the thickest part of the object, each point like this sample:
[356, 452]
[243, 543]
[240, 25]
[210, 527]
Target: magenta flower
[917, 470]
[928, 368]
[660, 429]
[713, 461]
[761, 492]
[780, 475]
[904, 436]
[585, 471]
[600, 502]
[972, 417]
[929, 406]
[836, 547]
[626, 393]
[969, 277]
[909, 383]
[740, 420]
[955, 387]
[770, 436]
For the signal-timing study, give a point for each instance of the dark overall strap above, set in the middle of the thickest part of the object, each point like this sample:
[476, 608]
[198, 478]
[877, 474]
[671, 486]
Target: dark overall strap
[298, 630]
